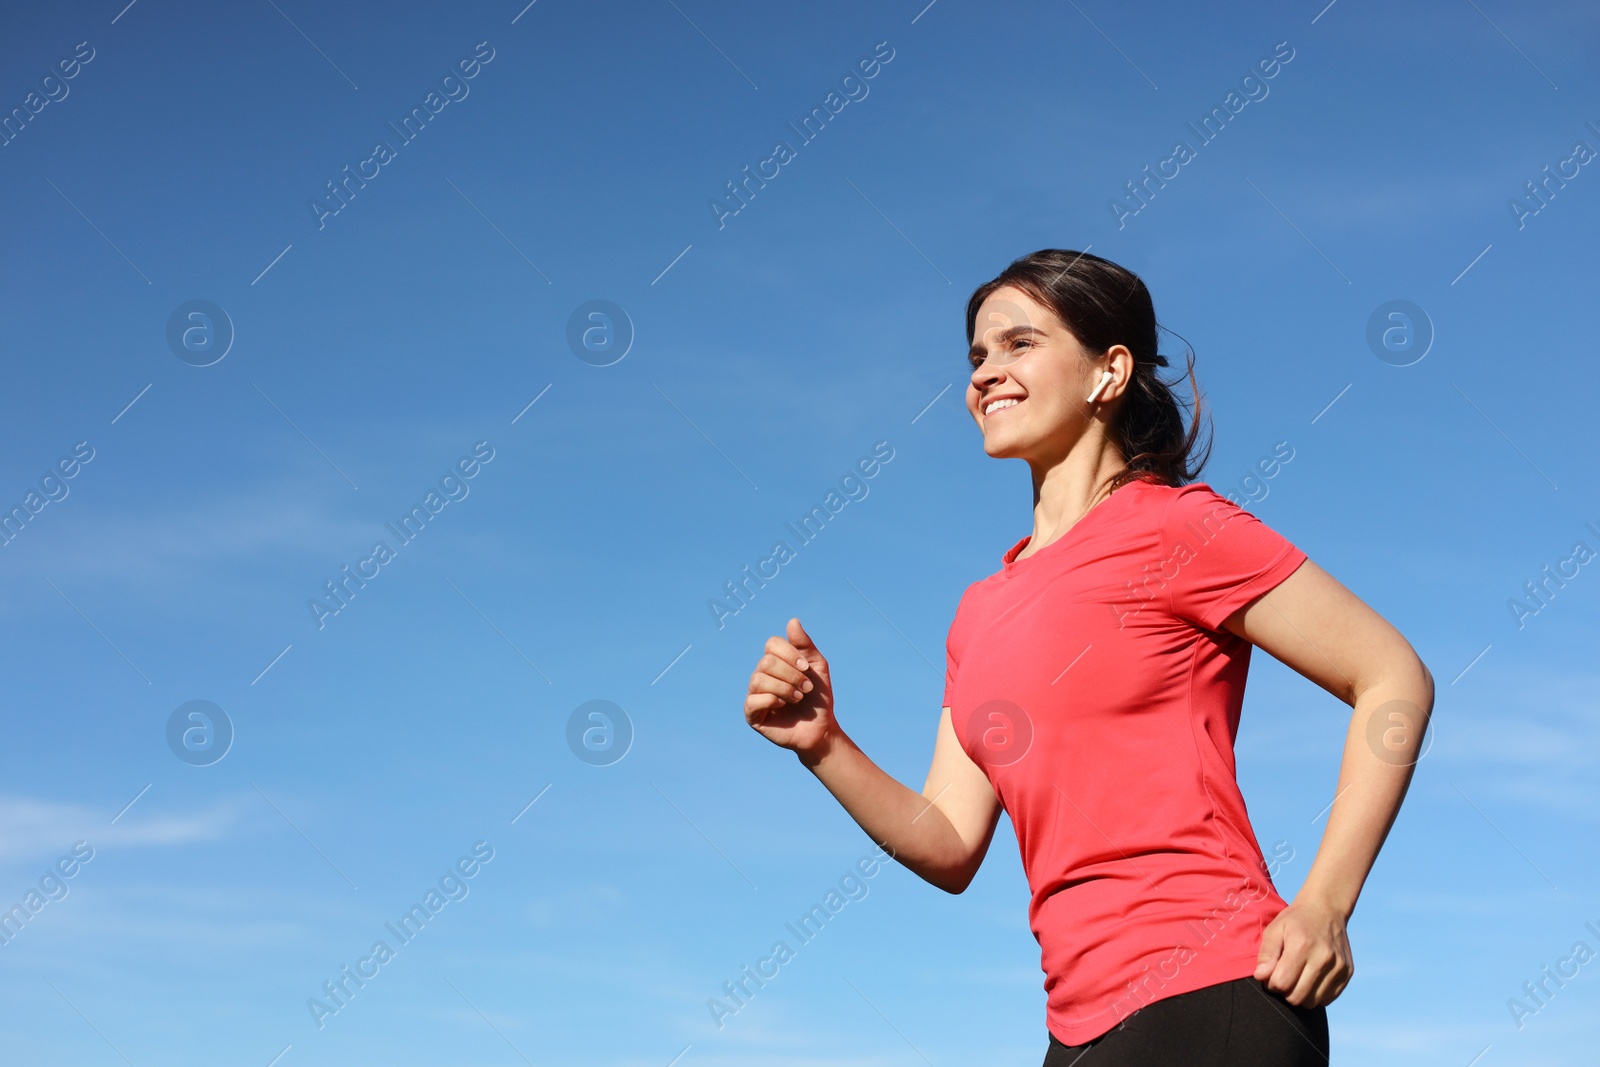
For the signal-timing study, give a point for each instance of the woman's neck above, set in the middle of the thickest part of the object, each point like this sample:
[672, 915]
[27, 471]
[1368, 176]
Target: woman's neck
[1065, 491]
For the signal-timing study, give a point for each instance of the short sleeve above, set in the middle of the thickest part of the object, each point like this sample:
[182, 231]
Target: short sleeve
[954, 642]
[1224, 557]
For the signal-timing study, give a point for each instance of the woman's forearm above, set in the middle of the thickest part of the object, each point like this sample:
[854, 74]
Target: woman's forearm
[894, 815]
[1380, 753]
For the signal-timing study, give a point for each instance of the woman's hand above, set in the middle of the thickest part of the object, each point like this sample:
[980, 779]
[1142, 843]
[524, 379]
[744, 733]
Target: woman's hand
[1305, 955]
[791, 697]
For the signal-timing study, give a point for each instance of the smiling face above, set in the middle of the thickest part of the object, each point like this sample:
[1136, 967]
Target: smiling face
[1030, 379]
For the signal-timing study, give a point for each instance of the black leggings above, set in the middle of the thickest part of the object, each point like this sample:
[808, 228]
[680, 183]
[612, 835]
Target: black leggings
[1233, 1024]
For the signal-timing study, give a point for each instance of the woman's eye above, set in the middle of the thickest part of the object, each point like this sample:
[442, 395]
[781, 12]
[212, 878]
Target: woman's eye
[976, 360]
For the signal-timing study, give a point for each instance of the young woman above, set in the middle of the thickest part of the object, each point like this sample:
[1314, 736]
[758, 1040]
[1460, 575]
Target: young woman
[1092, 690]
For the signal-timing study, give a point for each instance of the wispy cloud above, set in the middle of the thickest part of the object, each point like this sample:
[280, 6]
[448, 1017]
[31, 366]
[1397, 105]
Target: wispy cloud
[577, 904]
[163, 540]
[34, 829]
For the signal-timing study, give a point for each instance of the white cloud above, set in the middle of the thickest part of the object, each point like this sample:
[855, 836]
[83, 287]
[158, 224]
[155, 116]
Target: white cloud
[37, 830]
[593, 903]
[160, 541]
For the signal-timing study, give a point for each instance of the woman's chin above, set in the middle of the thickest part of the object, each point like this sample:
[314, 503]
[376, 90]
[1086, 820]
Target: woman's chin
[998, 447]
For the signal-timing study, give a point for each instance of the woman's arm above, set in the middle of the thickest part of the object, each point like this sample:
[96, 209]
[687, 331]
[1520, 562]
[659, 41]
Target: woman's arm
[941, 834]
[1325, 632]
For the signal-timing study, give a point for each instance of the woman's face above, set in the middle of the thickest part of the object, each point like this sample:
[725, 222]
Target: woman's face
[1023, 354]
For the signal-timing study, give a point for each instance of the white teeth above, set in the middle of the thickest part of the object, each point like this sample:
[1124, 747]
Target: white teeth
[998, 404]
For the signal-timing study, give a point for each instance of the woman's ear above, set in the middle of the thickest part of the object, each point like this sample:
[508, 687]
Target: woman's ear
[1119, 361]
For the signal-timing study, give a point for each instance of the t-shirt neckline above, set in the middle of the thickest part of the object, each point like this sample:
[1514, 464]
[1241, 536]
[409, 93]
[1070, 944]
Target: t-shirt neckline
[1010, 564]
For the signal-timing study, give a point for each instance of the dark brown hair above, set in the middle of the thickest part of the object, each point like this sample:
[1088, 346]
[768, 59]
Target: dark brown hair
[1103, 304]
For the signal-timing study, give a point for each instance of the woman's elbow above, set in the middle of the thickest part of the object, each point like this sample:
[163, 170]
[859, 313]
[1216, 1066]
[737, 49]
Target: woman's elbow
[1398, 670]
[956, 880]
[1420, 677]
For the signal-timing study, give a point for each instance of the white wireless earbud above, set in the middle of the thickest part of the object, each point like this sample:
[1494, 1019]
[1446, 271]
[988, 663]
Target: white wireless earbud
[1105, 379]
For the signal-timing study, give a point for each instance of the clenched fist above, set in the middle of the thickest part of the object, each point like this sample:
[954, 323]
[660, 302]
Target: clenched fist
[791, 696]
[1305, 954]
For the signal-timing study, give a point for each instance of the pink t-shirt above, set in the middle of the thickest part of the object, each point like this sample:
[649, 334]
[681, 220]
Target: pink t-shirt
[1093, 684]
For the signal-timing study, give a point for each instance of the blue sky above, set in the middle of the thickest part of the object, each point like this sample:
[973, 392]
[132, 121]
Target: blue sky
[376, 347]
